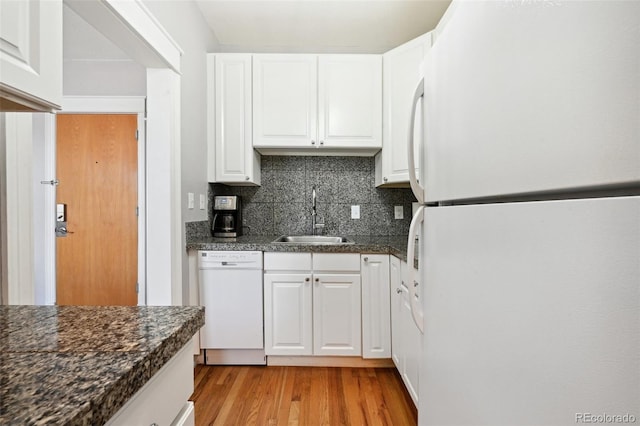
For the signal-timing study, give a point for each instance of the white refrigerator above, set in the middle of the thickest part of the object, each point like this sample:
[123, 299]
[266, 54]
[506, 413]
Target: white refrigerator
[529, 254]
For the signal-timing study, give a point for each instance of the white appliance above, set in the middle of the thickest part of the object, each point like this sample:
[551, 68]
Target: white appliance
[230, 284]
[529, 263]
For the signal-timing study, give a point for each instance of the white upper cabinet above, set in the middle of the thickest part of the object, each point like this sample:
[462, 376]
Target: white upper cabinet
[285, 100]
[350, 101]
[30, 55]
[401, 75]
[232, 159]
[332, 103]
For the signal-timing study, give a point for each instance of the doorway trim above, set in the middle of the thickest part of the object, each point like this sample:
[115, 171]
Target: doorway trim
[120, 105]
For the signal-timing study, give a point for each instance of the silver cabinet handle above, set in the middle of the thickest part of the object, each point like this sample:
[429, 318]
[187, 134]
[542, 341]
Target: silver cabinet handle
[365, 259]
[398, 290]
[321, 142]
[317, 280]
[307, 279]
[385, 179]
[313, 142]
[246, 178]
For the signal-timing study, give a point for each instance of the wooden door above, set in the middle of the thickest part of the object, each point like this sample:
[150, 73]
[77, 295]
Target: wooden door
[97, 262]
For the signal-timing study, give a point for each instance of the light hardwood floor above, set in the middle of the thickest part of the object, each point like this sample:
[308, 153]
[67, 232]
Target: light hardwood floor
[241, 395]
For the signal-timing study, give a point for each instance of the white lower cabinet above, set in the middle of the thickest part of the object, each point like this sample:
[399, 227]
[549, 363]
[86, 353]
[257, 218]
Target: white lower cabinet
[376, 317]
[336, 314]
[397, 290]
[164, 399]
[288, 314]
[406, 338]
[312, 304]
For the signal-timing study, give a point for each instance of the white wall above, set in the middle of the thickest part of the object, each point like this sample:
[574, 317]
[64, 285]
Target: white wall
[93, 65]
[4, 281]
[103, 78]
[185, 24]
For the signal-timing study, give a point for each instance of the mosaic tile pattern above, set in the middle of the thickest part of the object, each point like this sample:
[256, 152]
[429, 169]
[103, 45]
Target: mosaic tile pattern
[78, 365]
[282, 205]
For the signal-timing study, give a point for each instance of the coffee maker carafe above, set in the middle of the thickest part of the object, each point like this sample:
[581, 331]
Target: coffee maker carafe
[227, 216]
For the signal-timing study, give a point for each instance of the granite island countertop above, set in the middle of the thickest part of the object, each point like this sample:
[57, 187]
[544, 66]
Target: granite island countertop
[395, 245]
[78, 365]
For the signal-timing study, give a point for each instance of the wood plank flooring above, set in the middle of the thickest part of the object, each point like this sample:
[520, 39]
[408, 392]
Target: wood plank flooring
[251, 395]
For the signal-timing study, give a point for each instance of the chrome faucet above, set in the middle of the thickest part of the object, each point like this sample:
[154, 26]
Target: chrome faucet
[314, 225]
[313, 210]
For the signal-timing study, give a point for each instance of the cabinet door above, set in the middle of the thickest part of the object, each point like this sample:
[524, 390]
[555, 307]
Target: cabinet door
[235, 161]
[401, 76]
[163, 399]
[336, 310]
[397, 291]
[30, 55]
[412, 343]
[376, 316]
[350, 101]
[284, 101]
[288, 314]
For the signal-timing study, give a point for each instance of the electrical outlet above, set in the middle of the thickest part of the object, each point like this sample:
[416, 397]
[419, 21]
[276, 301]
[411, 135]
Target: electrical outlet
[355, 212]
[190, 200]
[398, 212]
[203, 202]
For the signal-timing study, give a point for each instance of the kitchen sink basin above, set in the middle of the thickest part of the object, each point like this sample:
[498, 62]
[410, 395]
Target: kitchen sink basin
[312, 239]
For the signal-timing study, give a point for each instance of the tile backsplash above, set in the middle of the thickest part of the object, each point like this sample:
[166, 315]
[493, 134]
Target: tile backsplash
[282, 205]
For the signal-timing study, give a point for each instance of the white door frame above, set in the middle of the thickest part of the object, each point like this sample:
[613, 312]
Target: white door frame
[135, 30]
[119, 105]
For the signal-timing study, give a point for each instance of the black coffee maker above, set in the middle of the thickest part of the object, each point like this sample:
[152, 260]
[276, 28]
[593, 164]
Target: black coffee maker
[227, 216]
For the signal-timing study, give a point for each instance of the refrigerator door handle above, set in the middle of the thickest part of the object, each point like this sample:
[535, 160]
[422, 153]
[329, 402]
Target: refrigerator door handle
[417, 189]
[416, 309]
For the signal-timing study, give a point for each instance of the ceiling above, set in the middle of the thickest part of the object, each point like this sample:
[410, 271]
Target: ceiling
[319, 26]
[310, 26]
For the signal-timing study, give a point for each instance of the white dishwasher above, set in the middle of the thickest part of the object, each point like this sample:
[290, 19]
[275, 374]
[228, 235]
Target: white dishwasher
[231, 291]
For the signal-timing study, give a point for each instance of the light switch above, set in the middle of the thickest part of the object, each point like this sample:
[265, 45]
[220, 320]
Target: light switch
[398, 212]
[355, 212]
[190, 200]
[203, 203]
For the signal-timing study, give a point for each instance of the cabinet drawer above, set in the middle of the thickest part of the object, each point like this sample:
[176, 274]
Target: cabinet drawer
[163, 397]
[342, 262]
[287, 261]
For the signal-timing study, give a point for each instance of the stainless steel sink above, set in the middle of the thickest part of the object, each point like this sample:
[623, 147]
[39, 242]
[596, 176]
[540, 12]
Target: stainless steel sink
[312, 239]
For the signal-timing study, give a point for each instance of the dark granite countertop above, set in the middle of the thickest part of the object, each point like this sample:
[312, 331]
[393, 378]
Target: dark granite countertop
[78, 365]
[395, 245]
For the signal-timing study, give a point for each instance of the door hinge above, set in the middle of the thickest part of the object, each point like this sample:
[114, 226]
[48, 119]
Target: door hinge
[137, 287]
[137, 134]
[137, 211]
